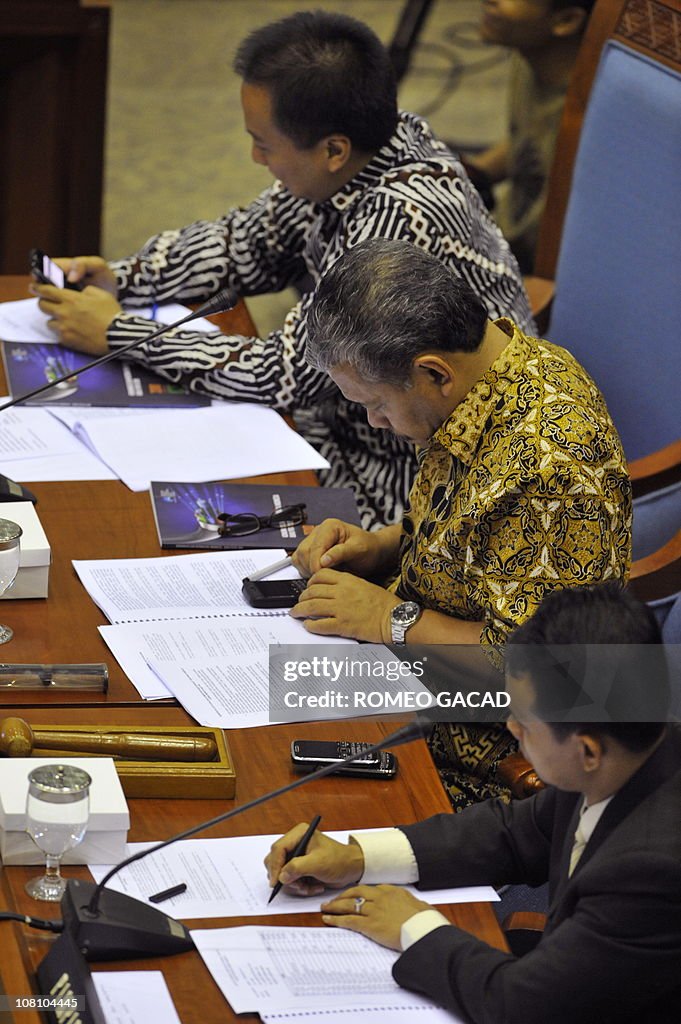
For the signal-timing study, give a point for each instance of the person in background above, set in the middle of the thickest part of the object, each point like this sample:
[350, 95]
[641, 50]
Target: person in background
[522, 485]
[604, 834]
[320, 105]
[544, 36]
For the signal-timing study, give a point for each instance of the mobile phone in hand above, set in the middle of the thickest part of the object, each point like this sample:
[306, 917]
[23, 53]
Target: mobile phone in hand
[46, 271]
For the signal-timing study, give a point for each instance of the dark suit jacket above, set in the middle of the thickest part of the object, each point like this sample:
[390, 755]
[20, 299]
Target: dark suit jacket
[611, 950]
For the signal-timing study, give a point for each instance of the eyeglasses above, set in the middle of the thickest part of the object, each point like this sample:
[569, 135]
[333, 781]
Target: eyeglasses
[243, 523]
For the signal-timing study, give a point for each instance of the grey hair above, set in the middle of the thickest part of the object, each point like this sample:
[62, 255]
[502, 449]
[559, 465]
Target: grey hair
[382, 304]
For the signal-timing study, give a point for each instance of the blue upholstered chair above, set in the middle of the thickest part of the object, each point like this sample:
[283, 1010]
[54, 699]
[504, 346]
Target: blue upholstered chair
[617, 304]
[611, 241]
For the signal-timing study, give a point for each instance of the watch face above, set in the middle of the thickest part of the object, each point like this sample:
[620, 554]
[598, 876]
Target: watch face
[405, 613]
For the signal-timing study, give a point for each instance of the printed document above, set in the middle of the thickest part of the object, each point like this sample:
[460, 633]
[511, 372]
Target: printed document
[175, 586]
[222, 676]
[266, 969]
[226, 878]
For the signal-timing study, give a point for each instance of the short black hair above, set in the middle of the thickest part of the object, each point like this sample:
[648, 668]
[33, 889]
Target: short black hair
[325, 73]
[603, 614]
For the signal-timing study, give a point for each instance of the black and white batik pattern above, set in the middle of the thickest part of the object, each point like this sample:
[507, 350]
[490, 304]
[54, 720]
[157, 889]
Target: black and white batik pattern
[413, 189]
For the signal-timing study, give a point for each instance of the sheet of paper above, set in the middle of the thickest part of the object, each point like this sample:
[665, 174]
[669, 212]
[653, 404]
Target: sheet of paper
[23, 321]
[33, 433]
[225, 441]
[134, 997]
[35, 447]
[214, 690]
[221, 654]
[426, 1014]
[226, 878]
[175, 586]
[262, 969]
[78, 465]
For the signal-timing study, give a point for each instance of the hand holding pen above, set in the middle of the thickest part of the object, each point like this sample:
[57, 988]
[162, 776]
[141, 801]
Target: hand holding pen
[298, 851]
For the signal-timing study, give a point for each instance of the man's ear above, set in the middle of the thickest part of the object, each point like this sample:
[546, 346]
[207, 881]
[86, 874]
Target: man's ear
[591, 750]
[437, 370]
[570, 21]
[337, 150]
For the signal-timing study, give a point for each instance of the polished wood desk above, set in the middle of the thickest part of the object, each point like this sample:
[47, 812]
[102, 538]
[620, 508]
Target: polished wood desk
[104, 519]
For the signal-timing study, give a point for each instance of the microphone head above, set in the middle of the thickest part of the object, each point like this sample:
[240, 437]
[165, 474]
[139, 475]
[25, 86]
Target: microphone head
[223, 300]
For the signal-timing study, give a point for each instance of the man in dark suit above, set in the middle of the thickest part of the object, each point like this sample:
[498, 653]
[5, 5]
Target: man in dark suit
[605, 833]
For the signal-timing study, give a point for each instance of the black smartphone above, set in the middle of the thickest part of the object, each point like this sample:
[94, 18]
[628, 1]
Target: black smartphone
[273, 593]
[46, 271]
[307, 755]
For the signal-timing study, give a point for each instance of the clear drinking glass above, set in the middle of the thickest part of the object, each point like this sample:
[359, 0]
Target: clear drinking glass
[9, 564]
[57, 809]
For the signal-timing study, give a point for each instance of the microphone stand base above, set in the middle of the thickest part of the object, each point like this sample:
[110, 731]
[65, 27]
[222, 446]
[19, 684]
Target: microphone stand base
[123, 928]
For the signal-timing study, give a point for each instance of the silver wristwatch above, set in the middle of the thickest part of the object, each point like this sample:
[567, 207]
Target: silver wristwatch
[402, 617]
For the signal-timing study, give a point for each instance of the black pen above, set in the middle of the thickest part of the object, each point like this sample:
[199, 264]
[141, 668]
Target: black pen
[297, 852]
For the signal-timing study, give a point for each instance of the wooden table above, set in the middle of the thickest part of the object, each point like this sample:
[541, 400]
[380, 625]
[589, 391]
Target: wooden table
[105, 519]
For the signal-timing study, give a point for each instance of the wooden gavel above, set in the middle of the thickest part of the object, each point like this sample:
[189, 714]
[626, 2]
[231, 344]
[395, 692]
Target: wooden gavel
[18, 739]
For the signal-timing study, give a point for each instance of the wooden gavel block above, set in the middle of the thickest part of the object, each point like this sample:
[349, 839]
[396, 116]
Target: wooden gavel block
[18, 739]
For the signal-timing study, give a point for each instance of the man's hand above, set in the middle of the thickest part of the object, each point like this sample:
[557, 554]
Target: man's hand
[380, 917]
[79, 319]
[89, 270]
[335, 543]
[325, 865]
[339, 604]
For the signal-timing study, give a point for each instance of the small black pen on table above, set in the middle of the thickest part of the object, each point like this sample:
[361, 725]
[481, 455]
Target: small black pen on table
[298, 851]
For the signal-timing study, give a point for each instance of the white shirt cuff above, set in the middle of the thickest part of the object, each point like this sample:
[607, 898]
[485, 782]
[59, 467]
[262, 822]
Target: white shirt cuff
[388, 857]
[419, 925]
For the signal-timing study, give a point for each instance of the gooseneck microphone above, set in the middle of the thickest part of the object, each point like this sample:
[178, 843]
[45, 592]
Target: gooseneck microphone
[107, 925]
[224, 300]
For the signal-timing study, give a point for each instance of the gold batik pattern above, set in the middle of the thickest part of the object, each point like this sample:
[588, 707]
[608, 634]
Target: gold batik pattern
[524, 488]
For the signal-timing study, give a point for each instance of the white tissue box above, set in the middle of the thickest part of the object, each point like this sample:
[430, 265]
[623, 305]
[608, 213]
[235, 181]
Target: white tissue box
[107, 832]
[34, 564]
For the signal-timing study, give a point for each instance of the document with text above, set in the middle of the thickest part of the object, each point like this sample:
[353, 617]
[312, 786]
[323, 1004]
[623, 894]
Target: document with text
[176, 586]
[261, 969]
[226, 878]
[217, 667]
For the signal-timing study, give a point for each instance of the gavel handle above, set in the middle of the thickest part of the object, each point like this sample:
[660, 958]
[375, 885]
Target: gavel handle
[143, 747]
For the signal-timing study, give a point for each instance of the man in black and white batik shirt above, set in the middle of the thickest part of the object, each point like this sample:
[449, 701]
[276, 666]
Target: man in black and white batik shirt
[320, 105]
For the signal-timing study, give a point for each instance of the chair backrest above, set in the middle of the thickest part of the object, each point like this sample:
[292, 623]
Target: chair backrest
[617, 301]
[617, 305]
[647, 26]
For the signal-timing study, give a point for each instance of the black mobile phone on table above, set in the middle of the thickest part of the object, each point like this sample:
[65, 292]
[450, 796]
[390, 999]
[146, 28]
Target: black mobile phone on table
[273, 593]
[46, 271]
[307, 755]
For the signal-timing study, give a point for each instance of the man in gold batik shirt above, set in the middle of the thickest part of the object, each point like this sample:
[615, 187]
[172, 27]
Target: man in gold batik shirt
[522, 484]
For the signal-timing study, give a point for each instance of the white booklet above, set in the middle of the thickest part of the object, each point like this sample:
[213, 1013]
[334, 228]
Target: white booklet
[187, 611]
[206, 585]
